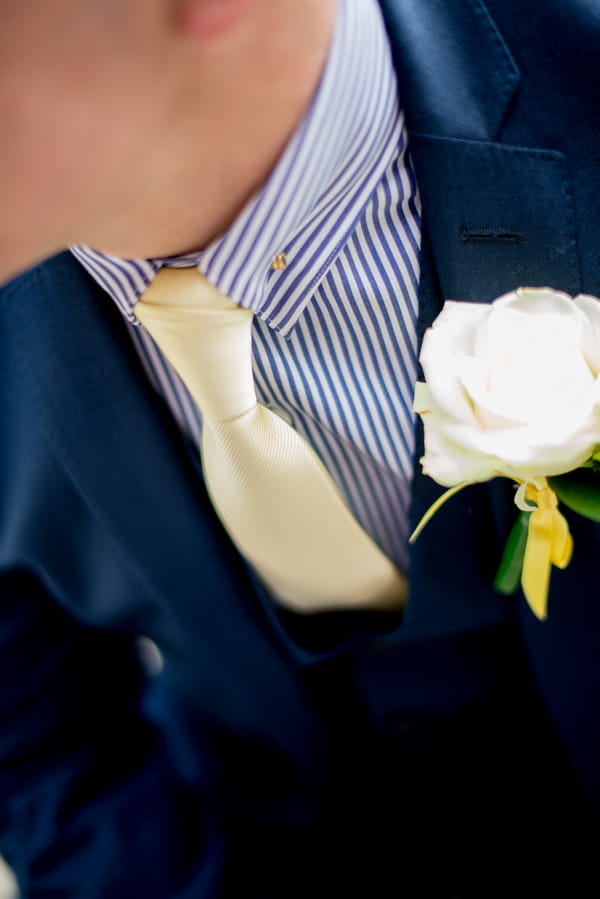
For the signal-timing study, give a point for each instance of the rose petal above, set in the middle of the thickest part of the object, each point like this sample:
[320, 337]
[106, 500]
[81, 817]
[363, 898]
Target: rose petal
[590, 307]
[536, 451]
[452, 333]
[535, 301]
[447, 462]
[533, 369]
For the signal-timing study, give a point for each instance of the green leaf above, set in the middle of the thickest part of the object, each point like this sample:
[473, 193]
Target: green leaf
[580, 491]
[508, 577]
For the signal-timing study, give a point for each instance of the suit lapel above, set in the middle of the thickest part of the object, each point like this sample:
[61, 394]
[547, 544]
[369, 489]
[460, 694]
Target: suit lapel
[494, 217]
[498, 216]
[456, 75]
[127, 459]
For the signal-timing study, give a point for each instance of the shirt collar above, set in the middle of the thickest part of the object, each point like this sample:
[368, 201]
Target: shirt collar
[307, 208]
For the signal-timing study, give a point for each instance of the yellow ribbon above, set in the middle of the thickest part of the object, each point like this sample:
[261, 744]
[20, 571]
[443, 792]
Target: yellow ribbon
[549, 543]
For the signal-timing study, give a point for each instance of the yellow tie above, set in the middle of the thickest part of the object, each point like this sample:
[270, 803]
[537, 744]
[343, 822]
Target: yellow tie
[269, 488]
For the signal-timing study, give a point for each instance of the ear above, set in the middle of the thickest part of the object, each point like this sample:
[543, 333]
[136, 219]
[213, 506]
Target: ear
[211, 18]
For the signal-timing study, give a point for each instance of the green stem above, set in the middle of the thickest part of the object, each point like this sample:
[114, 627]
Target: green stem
[508, 576]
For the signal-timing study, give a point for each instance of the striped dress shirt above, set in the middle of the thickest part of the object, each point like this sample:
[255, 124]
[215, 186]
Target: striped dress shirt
[334, 340]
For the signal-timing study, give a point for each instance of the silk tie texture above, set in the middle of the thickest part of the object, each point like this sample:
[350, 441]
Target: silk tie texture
[269, 488]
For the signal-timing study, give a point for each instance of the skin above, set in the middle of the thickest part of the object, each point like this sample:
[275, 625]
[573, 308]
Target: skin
[142, 127]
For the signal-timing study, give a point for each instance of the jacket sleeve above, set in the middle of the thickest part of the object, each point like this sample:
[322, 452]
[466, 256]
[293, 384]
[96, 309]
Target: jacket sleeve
[90, 802]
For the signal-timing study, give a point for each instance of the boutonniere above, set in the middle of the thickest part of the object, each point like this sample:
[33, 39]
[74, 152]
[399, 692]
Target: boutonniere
[512, 389]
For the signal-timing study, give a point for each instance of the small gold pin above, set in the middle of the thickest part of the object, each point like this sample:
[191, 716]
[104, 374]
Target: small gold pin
[280, 262]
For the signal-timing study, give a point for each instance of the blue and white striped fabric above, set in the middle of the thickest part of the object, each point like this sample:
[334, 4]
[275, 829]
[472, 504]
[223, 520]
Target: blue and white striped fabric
[334, 331]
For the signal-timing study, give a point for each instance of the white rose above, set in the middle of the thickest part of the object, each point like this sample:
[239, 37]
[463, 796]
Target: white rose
[512, 388]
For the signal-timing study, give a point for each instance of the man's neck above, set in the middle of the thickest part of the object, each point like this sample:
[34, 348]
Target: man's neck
[242, 92]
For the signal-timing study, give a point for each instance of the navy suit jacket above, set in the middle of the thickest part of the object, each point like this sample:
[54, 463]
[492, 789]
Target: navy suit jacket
[277, 754]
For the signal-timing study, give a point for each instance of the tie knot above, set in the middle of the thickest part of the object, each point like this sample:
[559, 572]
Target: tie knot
[186, 288]
[205, 336]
